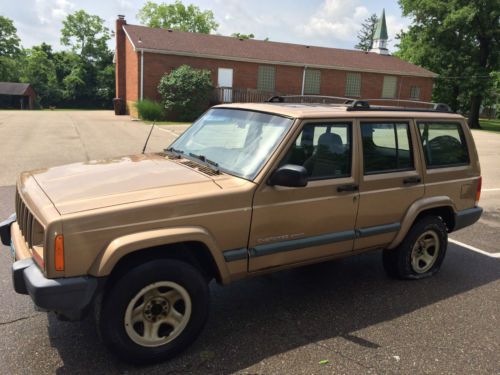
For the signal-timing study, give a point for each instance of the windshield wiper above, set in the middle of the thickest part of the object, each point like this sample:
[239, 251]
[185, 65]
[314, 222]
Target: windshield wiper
[207, 162]
[174, 151]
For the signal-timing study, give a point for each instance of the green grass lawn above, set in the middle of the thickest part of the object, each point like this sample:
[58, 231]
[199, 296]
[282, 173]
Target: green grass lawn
[490, 125]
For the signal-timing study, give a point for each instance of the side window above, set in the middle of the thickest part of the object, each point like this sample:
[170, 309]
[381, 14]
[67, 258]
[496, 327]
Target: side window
[324, 149]
[443, 143]
[386, 147]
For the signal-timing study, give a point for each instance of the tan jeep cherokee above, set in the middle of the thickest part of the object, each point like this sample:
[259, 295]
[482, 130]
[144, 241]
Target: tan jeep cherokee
[247, 189]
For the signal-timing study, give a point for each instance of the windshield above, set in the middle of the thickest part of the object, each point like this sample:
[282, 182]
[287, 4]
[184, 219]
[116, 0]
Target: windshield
[237, 141]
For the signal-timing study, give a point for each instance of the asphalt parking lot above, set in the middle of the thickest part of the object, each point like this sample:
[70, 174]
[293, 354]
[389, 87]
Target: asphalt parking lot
[345, 313]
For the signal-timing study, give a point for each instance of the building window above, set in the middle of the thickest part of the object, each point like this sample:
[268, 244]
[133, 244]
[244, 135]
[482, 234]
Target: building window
[312, 81]
[389, 88]
[415, 92]
[353, 84]
[267, 78]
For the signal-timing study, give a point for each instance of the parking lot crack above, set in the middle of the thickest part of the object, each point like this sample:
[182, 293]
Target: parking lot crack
[17, 320]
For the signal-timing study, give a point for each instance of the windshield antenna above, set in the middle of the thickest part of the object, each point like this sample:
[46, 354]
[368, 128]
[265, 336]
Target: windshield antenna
[149, 135]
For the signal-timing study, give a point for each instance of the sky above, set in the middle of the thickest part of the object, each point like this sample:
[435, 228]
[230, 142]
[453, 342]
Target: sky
[328, 23]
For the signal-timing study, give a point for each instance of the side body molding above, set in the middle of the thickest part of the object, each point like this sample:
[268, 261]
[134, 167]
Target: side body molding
[416, 208]
[122, 246]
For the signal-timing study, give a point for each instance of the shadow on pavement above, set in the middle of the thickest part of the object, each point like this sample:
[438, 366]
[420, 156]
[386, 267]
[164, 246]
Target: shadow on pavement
[258, 318]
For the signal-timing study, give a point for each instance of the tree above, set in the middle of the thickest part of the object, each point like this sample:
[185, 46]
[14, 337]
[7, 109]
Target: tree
[242, 36]
[86, 73]
[177, 16]
[459, 40]
[9, 41]
[365, 35]
[85, 34]
[186, 92]
[9, 51]
[38, 70]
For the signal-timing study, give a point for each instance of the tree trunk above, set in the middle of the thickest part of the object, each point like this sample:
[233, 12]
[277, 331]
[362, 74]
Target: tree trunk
[474, 112]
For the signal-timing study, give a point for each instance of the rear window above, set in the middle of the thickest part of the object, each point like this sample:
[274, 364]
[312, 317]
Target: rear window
[443, 143]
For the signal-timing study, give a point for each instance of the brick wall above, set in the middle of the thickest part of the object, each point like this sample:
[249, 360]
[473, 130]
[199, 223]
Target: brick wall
[132, 80]
[288, 78]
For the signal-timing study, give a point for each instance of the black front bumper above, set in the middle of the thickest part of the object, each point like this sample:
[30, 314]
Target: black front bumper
[5, 229]
[70, 296]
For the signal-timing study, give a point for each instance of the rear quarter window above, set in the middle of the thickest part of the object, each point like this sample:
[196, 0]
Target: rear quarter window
[444, 144]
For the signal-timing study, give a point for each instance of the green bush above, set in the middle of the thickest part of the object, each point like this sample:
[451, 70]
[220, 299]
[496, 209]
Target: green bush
[150, 110]
[186, 92]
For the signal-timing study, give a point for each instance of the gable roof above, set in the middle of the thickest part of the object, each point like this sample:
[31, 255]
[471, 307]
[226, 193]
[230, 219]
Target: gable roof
[229, 48]
[13, 88]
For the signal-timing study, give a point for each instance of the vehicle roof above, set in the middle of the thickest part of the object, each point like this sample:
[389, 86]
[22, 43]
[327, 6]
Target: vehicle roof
[315, 110]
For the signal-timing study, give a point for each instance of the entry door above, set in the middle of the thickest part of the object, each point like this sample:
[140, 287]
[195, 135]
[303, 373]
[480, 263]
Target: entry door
[225, 82]
[391, 179]
[293, 225]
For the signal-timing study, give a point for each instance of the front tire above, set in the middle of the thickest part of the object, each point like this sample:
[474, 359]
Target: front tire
[154, 311]
[421, 253]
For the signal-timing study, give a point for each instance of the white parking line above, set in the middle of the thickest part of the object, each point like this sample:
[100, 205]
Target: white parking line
[494, 189]
[472, 248]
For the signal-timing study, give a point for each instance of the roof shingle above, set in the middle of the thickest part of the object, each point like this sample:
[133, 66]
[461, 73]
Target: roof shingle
[223, 47]
[13, 88]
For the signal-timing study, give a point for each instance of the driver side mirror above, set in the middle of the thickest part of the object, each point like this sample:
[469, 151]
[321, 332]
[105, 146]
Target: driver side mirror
[289, 175]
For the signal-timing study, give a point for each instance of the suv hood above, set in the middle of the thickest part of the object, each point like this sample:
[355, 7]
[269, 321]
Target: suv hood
[103, 183]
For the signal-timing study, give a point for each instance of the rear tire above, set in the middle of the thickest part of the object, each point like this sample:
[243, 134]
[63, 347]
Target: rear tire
[154, 311]
[421, 253]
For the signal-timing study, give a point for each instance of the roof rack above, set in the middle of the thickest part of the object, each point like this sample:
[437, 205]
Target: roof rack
[309, 99]
[365, 104]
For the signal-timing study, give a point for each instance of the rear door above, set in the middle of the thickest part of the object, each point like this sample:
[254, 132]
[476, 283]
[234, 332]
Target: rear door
[294, 225]
[390, 181]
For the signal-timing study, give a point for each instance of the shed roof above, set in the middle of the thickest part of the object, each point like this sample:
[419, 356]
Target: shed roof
[229, 48]
[13, 88]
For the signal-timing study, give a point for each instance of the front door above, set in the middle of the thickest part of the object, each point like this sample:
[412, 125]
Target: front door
[225, 83]
[391, 179]
[293, 225]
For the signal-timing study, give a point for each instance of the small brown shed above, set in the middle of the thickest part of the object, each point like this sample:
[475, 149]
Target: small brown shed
[15, 95]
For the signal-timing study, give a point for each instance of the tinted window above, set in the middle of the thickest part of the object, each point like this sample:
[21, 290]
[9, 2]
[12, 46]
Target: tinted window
[323, 149]
[386, 147]
[443, 143]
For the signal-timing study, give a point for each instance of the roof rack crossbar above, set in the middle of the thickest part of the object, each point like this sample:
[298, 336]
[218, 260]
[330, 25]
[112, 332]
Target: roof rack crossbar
[283, 98]
[364, 104]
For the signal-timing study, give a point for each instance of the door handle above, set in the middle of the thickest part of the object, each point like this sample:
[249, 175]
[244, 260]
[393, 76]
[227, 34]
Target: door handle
[412, 180]
[350, 187]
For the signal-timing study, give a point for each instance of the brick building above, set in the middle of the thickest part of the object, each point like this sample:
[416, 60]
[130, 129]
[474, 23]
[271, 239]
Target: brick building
[14, 95]
[250, 70]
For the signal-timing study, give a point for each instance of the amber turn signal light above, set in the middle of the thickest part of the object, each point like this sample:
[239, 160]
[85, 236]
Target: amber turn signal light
[478, 190]
[59, 252]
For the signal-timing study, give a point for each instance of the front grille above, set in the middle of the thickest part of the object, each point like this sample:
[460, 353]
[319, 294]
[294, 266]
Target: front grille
[31, 229]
